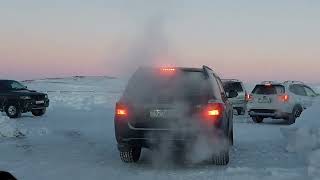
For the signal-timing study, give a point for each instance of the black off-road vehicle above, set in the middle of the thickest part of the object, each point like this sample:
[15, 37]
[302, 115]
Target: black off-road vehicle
[15, 99]
[175, 106]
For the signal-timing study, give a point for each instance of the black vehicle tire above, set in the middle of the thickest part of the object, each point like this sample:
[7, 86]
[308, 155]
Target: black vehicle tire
[221, 159]
[13, 111]
[231, 138]
[131, 156]
[257, 119]
[294, 115]
[38, 112]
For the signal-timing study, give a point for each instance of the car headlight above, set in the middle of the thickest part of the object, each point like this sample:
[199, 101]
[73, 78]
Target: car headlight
[46, 96]
[25, 97]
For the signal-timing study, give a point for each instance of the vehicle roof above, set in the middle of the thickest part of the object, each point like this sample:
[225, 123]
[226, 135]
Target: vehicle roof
[280, 83]
[7, 80]
[180, 68]
[231, 80]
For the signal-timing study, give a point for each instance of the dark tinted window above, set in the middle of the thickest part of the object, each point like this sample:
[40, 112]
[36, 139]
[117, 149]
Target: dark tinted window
[268, 90]
[10, 85]
[298, 90]
[229, 85]
[152, 85]
[309, 91]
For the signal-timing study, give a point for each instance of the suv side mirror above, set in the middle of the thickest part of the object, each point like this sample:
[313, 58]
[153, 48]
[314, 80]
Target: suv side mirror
[232, 94]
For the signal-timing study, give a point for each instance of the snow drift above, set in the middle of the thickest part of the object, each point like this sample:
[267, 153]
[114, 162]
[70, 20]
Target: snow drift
[8, 128]
[304, 138]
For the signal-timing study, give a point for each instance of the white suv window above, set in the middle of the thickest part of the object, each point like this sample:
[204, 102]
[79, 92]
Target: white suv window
[268, 90]
[298, 90]
[309, 91]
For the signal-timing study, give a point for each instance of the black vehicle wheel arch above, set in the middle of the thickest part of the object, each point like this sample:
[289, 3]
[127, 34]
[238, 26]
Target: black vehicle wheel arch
[298, 107]
[18, 109]
[12, 101]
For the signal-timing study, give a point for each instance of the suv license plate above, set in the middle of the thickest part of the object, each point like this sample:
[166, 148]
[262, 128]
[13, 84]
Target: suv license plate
[39, 102]
[264, 100]
[160, 113]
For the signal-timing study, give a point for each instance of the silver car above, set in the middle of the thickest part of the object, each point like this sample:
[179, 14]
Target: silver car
[239, 103]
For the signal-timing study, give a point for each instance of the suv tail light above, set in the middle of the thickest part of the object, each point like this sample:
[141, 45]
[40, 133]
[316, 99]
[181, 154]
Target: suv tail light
[213, 112]
[284, 98]
[121, 111]
[249, 97]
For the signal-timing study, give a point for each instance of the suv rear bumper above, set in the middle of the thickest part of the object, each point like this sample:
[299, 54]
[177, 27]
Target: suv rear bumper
[128, 136]
[268, 113]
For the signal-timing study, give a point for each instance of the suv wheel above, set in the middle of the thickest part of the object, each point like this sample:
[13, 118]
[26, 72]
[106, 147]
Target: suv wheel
[257, 119]
[294, 115]
[38, 112]
[13, 111]
[130, 156]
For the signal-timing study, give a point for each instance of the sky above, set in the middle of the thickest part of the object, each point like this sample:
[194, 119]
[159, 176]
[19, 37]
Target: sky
[248, 40]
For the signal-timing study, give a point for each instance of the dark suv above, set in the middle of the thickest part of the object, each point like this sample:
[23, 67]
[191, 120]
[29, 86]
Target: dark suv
[15, 99]
[175, 106]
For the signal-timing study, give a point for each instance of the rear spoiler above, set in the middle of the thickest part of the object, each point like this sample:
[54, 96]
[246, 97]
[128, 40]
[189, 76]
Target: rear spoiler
[206, 70]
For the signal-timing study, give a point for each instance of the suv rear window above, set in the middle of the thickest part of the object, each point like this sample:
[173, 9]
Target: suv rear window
[154, 86]
[229, 85]
[268, 90]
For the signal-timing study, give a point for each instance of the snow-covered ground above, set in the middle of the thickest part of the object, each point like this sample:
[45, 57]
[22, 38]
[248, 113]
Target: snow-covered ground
[303, 138]
[75, 140]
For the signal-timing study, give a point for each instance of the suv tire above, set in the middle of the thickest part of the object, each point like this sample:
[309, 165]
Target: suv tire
[13, 111]
[257, 119]
[294, 115]
[38, 112]
[131, 156]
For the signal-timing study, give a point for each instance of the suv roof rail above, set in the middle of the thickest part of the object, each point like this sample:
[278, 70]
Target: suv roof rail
[300, 82]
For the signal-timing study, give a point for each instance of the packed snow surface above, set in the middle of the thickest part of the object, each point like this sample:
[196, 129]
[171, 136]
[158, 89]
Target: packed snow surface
[75, 140]
[303, 138]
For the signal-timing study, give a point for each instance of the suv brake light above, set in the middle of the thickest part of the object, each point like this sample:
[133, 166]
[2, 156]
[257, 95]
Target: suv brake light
[284, 98]
[121, 110]
[168, 69]
[249, 97]
[213, 111]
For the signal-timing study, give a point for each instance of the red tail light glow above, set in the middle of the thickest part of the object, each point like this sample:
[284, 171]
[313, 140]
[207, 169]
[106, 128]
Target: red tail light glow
[213, 112]
[246, 97]
[284, 98]
[168, 69]
[249, 97]
[121, 110]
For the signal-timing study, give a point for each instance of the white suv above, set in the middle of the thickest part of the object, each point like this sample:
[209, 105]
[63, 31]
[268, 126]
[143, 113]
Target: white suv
[239, 103]
[284, 100]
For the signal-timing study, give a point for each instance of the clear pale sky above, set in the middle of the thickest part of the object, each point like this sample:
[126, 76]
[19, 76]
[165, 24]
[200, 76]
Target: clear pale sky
[250, 40]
